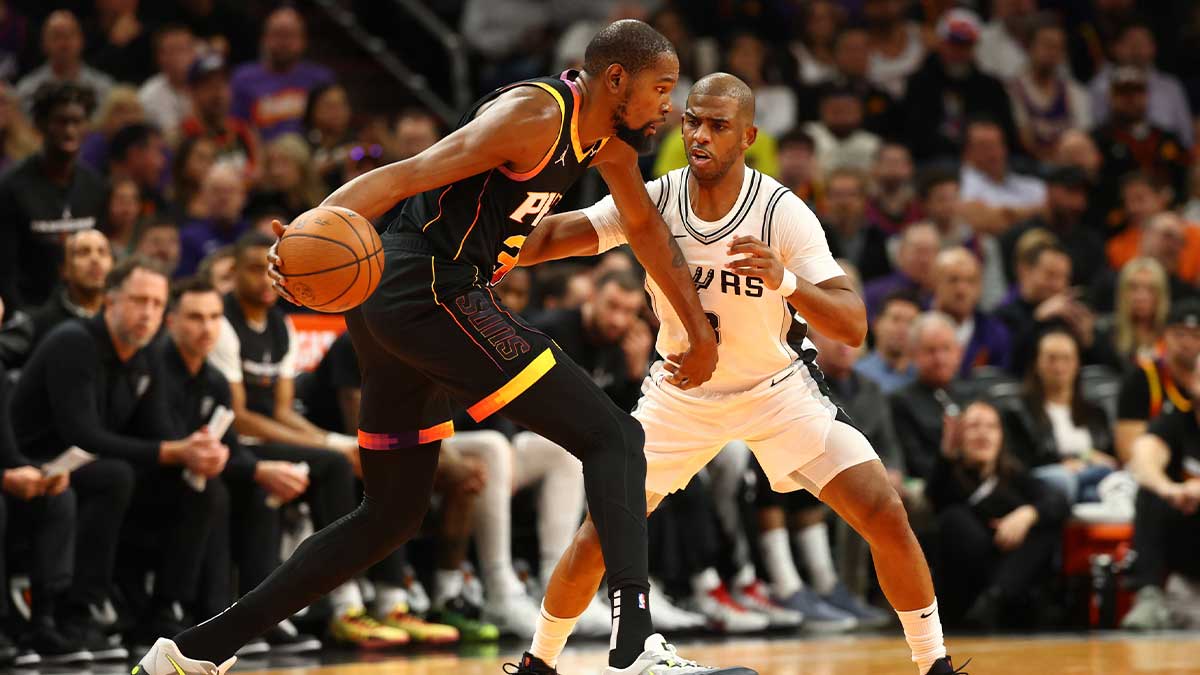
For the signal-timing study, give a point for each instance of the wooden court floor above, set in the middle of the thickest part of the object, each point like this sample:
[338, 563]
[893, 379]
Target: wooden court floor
[1098, 654]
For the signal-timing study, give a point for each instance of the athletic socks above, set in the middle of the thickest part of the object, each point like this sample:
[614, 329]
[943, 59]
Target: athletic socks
[388, 597]
[450, 584]
[551, 637]
[777, 556]
[923, 631]
[631, 625]
[345, 598]
[813, 542]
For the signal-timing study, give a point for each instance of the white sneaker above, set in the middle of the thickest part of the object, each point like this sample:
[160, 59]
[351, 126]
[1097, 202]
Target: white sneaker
[164, 659]
[670, 618]
[514, 614]
[596, 620]
[724, 614]
[756, 598]
[660, 658]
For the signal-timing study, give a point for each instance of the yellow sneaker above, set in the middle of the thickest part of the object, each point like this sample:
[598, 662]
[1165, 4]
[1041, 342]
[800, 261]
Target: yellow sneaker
[358, 628]
[419, 629]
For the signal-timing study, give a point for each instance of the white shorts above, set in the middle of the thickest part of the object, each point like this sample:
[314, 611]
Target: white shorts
[785, 420]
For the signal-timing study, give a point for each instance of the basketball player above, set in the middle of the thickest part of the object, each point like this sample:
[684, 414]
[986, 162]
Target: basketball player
[433, 331]
[754, 248]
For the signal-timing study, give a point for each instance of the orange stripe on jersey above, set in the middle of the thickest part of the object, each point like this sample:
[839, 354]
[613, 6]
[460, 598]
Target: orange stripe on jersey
[405, 439]
[478, 206]
[562, 113]
[439, 215]
[580, 155]
[514, 388]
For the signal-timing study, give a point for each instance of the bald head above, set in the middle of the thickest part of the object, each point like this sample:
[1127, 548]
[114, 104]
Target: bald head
[724, 85]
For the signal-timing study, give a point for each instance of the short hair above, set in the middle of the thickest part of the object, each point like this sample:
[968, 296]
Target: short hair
[847, 172]
[192, 284]
[624, 279]
[205, 267]
[1135, 23]
[932, 178]
[554, 279]
[725, 85]
[1033, 254]
[633, 44]
[52, 95]
[797, 136]
[129, 137]
[904, 295]
[249, 240]
[166, 29]
[124, 269]
[926, 319]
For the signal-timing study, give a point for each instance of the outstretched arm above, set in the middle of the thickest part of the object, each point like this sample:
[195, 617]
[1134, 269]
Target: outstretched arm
[562, 235]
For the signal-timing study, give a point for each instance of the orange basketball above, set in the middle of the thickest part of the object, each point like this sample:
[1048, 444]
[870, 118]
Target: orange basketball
[332, 259]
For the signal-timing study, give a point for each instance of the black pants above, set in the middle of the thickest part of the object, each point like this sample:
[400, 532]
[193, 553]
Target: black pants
[969, 562]
[42, 533]
[416, 351]
[103, 491]
[1166, 541]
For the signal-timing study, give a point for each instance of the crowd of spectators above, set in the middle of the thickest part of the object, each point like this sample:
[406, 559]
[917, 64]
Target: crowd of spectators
[1012, 184]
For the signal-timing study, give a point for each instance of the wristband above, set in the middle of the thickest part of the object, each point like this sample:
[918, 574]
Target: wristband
[607, 224]
[789, 283]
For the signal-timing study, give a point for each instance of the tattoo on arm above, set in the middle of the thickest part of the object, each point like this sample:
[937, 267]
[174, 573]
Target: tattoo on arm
[677, 259]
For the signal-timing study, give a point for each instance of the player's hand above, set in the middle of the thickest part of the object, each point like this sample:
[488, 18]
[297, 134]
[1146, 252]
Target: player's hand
[283, 480]
[24, 482]
[56, 485]
[275, 264]
[695, 366]
[759, 260]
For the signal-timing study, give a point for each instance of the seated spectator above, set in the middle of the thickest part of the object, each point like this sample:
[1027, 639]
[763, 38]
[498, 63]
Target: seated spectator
[193, 158]
[1134, 47]
[984, 339]
[1130, 140]
[957, 225]
[1166, 528]
[93, 384]
[850, 234]
[988, 179]
[138, 152]
[949, 90]
[17, 137]
[414, 130]
[327, 129]
[1146, 201]
[217, 269]
[117, 110]
[164, 96]
[919, 246]
[211, 96]
[62, 44]
[896, 45]
[119, 43]
[159, 240]
[852, 56]
[271, 95]
[1160, 385]
[1167, 240]
[220, 27]
[290, 183]
[817, 28]
[893, 205]
[888, 364]
[919, 408]
[563, 285]
[798, 169]
[775, 106]
[46, 196]
[1064, 440]
[1077, 149]
[1002, 41]
[1046, 100]
[838, 134]
[1138, 321]
[122, 213]
[1065, 218]
[224, 197]
[995, 545]
[87, 260]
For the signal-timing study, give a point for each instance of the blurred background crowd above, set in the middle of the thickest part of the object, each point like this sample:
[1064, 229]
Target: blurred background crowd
[1013, 185]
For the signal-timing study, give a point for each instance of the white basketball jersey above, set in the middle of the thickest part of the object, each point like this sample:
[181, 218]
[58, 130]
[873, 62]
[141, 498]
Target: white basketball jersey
[751, 321]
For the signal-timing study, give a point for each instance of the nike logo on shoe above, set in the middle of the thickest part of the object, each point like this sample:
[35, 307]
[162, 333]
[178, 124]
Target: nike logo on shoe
[176, 665]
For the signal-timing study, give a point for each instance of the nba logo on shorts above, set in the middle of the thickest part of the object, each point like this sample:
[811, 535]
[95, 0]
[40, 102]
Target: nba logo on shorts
[641, 601]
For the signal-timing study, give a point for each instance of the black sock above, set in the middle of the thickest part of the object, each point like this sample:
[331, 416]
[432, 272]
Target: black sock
[632, 624]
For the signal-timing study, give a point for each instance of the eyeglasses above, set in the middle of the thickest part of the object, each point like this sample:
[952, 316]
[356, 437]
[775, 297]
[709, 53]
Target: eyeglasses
[360, 152]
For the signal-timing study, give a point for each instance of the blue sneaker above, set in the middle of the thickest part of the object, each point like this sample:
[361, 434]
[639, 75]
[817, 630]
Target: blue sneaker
[868, 616]
[819, 616]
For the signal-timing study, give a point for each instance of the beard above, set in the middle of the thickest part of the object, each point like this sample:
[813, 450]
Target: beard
[641, 142]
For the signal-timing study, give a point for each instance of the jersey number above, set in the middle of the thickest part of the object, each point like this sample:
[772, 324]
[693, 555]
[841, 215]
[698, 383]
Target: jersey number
[715, 320]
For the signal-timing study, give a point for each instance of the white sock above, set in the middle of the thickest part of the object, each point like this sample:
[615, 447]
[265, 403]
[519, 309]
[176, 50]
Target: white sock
[777, 555]
[923, 631]
[449, 586]
[813, 542]
[706, 581]
[388, 597]
[346, 598]
[551, 636]
[744, 577]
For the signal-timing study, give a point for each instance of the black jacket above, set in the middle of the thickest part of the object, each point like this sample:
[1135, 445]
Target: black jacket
[953, 484]
[1031, 436]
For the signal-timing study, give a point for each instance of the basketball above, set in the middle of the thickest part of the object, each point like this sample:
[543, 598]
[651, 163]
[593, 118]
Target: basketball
[332, 259]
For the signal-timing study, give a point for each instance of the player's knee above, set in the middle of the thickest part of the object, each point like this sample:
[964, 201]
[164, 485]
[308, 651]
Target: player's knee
[884, 517]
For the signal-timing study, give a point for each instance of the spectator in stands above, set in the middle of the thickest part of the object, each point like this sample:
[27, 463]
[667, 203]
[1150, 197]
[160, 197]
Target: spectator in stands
[217, 268]
[290, 183]
[138, 152]
[1166, 528]
[888, 364]
[1160, 385]
[949, 90]
[1046, 100]
[327, 117]
[994, 545]
[515, 289]
[850, 234]
[211, 95]
[122, 213]
[62, 43]
[193, 158]
[893, 205]
[1077, 149]
[87, 261]
[1065, 218]
[1146, 201]
[919, 245]
[220, 27]
[17, 137]
[813, 47]
[851, 55]
[119, 43]
[919, 408]
[93, 384]
[838, 134]
[14, 27]
[563, 285]
[164, 96]
[897, 47]
[117, 110]
[1065, 440]
[987, 178]
[1130, 139]
[1168, 239]
[984, 339]
[1139, 320]
[775, 104]
[960, 224]
[224, 197]
[798, 170]
[415, 130]
[159, 240]
[256, 352]
[1134, 50]
[271, 95]
[1002, 41]
[45, 197]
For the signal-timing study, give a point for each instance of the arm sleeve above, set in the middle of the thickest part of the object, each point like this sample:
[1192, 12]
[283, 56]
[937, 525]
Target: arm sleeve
[793, 229]
[607, 220]
[226, 354]
[1133, 401]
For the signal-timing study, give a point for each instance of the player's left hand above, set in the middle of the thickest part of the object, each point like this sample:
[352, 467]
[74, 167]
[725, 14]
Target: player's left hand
[759, 261]
[274, 263]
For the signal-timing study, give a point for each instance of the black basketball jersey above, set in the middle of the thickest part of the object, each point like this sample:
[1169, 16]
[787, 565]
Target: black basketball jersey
[261, 354]
[482, 221]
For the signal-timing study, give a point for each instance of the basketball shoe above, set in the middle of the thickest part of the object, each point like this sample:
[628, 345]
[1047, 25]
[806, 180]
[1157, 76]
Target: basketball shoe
[943, 667]
[164, 659]
[725, 614]
[755, 597]
[529, 665]
[660, 658]
[420, 630]
[360, 629]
